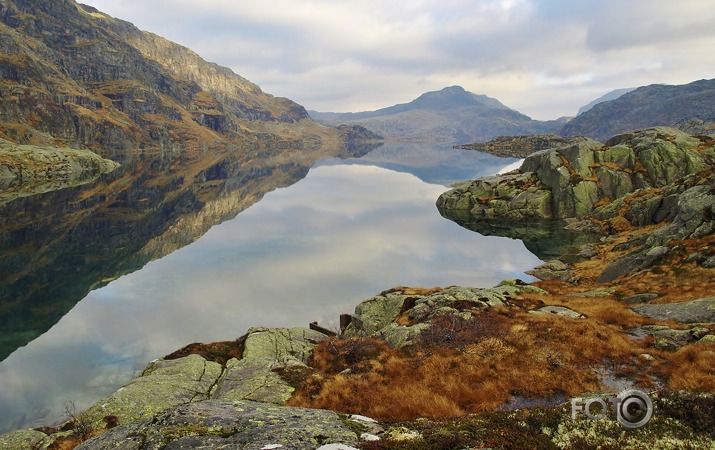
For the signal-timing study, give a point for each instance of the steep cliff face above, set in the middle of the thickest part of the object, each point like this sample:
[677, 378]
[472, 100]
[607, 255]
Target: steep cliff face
[74, 76]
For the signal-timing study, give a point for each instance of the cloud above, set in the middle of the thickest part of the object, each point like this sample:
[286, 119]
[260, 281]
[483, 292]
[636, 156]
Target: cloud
[544, 58]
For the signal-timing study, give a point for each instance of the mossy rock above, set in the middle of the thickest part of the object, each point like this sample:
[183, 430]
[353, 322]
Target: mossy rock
[162, 385]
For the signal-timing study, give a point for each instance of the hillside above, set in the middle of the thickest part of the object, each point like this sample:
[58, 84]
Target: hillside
[451, 115]
[73, 76]
[604, 98]
[647, 106]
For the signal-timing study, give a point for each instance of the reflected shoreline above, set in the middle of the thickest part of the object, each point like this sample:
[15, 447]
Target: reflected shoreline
[363, 228]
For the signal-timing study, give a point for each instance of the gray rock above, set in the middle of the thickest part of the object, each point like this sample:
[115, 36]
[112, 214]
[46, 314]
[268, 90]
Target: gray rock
[560, 311]
[374, 314]
[553, 270]
[216, 424]
[24, 440]
[679, 337]
[695, 311]
[639, 298]
[252, 379]
[282, 345]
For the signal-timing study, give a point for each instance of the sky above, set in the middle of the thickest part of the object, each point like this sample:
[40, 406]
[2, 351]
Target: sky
[544, 58]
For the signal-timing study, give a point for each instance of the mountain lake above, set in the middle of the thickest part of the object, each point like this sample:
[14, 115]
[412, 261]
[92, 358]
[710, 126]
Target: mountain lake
[348, 230]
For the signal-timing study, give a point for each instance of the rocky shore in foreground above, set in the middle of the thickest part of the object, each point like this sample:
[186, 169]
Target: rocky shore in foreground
[465, 367]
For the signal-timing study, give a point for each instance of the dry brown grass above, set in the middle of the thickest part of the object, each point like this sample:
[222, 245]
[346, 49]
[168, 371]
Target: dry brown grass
[692, 368]
[525, 355]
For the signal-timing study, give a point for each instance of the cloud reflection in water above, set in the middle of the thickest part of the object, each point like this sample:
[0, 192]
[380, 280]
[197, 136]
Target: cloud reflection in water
[307, 252]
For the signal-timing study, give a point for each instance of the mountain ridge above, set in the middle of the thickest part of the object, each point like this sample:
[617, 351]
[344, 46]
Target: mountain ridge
[74, 76]
[646, 106]
[450, 115]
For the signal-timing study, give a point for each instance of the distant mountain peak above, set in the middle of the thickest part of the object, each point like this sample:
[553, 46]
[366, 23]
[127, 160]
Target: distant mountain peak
[451, 114]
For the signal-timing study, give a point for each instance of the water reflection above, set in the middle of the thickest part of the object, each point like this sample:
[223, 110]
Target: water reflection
[304, 253]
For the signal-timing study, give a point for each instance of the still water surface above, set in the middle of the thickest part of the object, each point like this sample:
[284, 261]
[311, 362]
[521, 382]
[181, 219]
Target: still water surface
[313, 250]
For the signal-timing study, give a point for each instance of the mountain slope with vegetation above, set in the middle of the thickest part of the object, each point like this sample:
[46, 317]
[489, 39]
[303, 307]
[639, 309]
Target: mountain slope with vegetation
[451, 115]
[73, 76]
[648, 106]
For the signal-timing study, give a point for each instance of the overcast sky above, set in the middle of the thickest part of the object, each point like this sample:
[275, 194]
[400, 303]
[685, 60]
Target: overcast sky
[544, 58]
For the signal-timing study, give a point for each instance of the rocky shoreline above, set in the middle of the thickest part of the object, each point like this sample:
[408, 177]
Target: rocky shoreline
[464, 367]
[28, 169]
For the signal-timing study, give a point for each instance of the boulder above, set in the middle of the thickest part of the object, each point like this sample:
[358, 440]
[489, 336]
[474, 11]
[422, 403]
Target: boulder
[252, 379]
[281, 345]
[217, 424]
[553, 270]
[376, 316]
[695, 311]
[560, 311]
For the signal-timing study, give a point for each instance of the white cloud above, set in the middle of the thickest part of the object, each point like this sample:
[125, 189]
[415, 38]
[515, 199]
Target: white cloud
[543, 58]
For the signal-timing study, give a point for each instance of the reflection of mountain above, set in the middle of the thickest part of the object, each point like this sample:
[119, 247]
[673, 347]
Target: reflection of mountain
[435, 164]
[56, 247]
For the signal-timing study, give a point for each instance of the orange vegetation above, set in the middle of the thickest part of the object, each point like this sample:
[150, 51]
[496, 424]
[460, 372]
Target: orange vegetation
[466, 366]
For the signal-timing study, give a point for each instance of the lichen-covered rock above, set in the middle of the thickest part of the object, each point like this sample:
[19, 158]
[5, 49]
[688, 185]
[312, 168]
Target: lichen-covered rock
[694, 311]
[266, 349]
[568, 182]
[252, 379]
[376, 316]
[24, 440]
[553, 270]
[398, 336]
[163, 384]
[30, 162]
[560, 311]
[216, 424]
[29, 170]
[282, 345]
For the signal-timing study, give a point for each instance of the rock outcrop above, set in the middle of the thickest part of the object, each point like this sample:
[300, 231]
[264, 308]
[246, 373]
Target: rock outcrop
[217, 424]
[376, 316]
[570, 181]
[521, 146]
[28, 170]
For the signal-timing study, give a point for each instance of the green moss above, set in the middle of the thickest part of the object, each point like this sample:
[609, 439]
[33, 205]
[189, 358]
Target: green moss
[682, 420]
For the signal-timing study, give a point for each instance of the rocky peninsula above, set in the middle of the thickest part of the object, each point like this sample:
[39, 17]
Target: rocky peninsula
[29, 169]
[466, 367]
